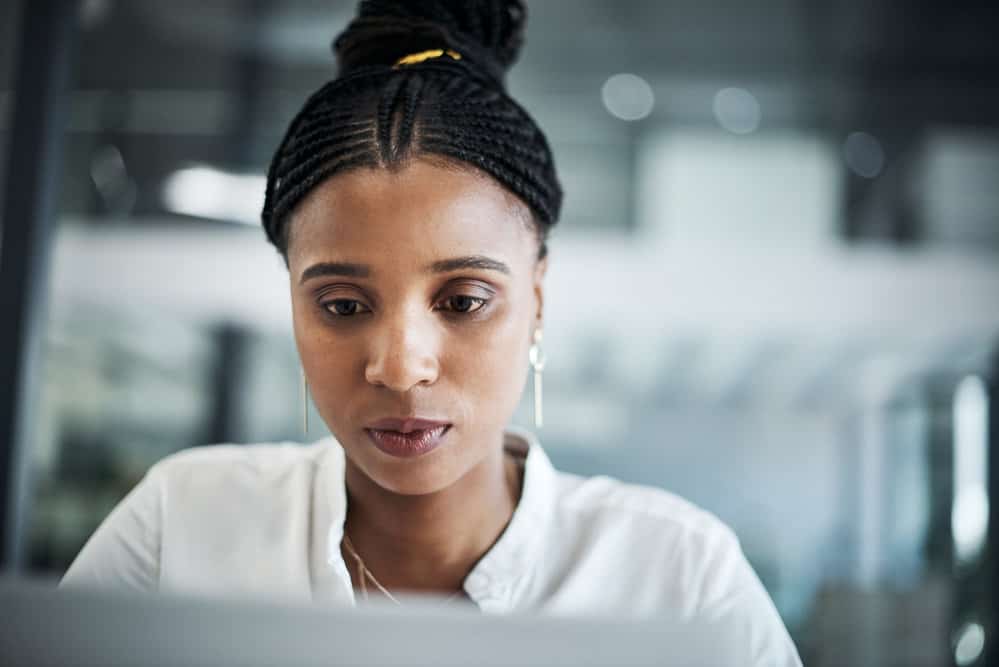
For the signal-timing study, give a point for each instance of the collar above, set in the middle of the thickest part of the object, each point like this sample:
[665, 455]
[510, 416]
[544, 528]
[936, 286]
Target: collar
[501, 578]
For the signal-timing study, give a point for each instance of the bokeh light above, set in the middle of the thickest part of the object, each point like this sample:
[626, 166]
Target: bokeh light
[863, 154]
[737, 110]
[628, 97]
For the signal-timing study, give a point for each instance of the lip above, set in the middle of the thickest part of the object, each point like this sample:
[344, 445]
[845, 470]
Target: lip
[406, 424]
[407, 437]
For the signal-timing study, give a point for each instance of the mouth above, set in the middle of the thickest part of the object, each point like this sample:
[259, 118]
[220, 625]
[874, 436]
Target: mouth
[407, 438]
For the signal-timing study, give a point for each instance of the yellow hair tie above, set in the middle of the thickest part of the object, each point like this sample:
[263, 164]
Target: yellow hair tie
[414, 58]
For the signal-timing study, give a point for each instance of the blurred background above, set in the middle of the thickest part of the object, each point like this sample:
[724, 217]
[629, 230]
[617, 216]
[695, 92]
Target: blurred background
[774, 289]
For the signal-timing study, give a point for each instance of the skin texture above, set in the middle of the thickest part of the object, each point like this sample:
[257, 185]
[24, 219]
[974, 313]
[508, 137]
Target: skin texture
[396, 343]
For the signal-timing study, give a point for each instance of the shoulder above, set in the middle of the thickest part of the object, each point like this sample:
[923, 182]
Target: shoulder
[669, 555]
[694, 555]
[202, 516]
[237, 487]
[601, 497]
[255, 456]
[250, 462]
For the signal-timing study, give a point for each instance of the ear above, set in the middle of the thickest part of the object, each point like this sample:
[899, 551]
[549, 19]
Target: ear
[540, 268]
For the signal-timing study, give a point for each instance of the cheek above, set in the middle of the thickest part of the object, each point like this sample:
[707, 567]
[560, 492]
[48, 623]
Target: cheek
[332, 363]
[489, 367]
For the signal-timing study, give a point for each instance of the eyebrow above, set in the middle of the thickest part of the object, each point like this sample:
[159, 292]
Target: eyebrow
[335, 269]
[470, 262]
[351, 270]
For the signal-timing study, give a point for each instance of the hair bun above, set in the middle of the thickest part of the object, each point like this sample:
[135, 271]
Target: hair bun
[487, 33]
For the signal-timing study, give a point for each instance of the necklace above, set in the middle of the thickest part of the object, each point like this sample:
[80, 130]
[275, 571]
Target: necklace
[364, 575]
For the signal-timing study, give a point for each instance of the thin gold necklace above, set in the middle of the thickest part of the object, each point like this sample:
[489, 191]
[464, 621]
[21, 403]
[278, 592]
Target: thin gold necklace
[364, 575]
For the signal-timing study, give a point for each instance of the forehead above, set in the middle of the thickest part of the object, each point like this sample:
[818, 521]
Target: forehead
[419, 213]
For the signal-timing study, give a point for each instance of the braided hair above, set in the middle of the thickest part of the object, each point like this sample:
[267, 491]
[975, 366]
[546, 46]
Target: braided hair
[450, 104]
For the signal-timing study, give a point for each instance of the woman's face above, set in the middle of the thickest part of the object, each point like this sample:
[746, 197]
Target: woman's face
[414, 295]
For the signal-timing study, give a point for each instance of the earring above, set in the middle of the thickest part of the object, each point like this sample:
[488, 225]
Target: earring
[305, 402]
[537, 357]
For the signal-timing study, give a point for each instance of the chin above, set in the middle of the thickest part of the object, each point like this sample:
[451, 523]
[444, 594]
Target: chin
[409, 488]
[416, 476]
[411, 478]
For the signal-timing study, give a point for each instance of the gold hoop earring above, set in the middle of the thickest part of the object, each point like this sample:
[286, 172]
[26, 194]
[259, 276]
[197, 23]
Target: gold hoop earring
[305, 403]
[537, 358]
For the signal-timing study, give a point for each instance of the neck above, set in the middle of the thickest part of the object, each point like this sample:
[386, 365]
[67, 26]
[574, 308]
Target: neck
[429, 543]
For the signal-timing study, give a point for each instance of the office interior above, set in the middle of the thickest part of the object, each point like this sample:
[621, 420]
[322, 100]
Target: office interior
[773, 290]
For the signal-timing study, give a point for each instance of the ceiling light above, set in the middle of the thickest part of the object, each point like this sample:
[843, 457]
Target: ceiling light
[207, 192]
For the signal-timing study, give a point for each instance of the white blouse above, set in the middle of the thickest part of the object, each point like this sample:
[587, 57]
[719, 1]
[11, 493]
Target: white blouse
[267, 520]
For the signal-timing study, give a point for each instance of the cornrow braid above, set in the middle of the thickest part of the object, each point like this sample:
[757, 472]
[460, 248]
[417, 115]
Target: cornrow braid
[453, 106]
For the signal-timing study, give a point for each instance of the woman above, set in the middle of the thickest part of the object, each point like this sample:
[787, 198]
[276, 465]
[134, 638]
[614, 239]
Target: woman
[411, 199]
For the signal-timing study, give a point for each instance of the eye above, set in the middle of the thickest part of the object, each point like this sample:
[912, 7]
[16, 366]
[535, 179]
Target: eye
[345, 307]
[464, 304]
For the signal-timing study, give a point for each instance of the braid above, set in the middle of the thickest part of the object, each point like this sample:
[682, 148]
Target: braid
[376, 115]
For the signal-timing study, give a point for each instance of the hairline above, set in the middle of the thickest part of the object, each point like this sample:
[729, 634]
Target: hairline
[524, 211]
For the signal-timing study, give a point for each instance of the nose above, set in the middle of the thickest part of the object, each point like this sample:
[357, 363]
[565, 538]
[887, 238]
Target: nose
[403, 354]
